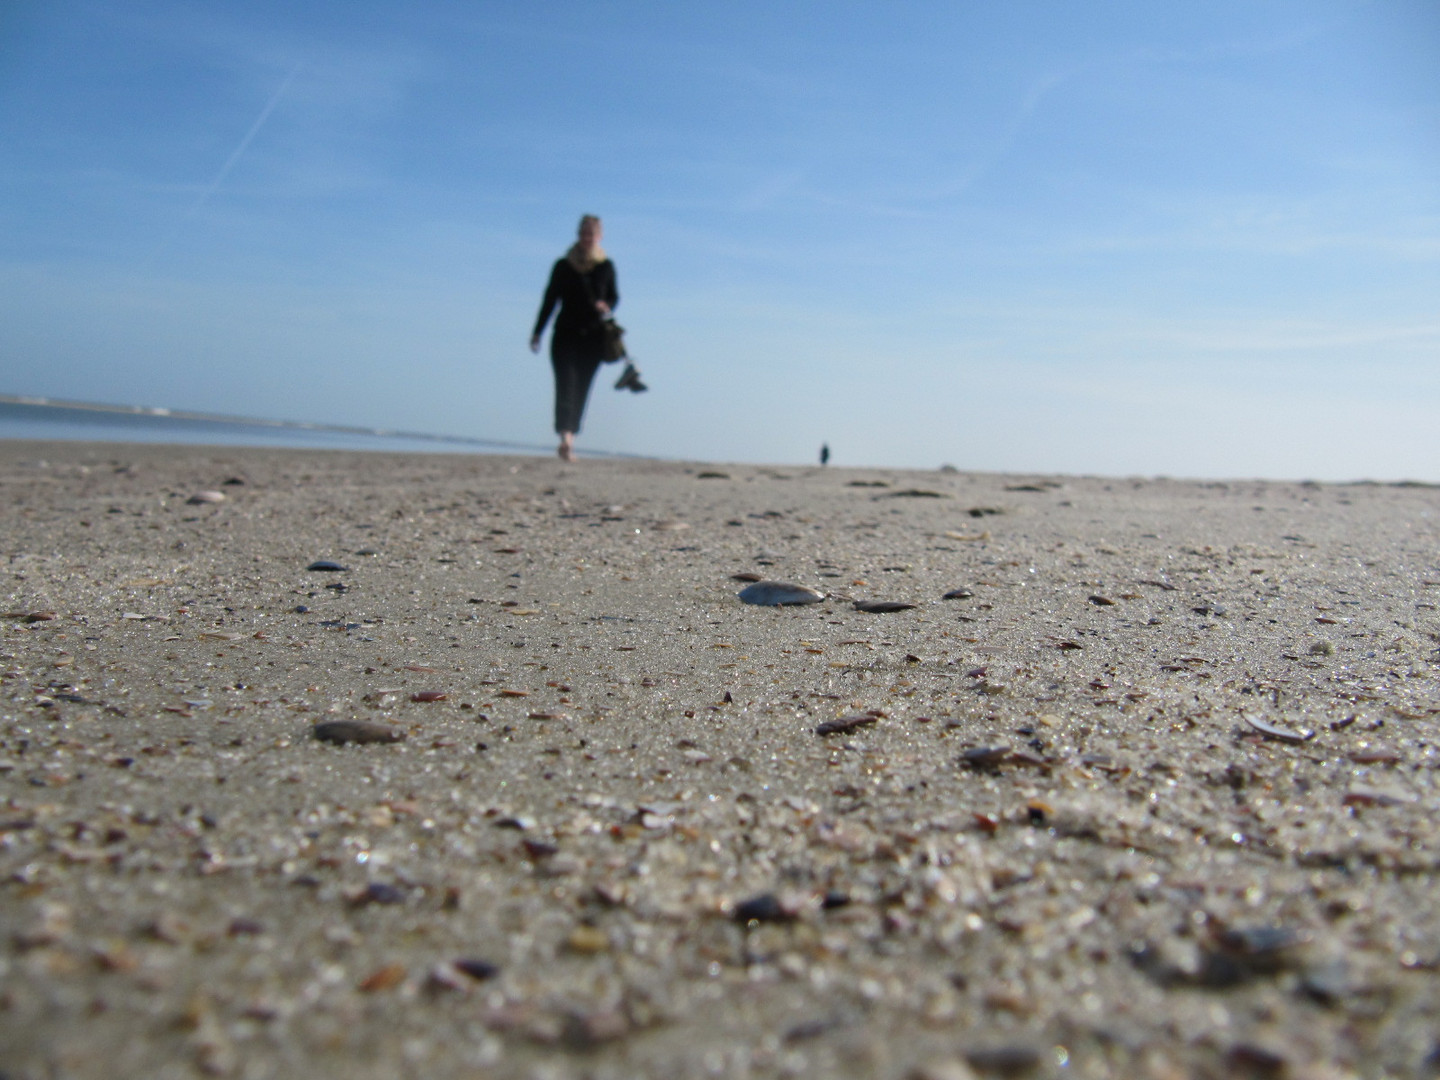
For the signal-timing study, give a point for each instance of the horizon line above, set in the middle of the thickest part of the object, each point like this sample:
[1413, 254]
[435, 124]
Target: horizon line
[164, 412]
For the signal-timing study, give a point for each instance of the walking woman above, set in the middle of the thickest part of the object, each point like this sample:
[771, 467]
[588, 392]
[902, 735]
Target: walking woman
[583, 284]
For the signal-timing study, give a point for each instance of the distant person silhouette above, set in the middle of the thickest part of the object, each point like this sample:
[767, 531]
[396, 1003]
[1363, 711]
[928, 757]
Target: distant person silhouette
[824, 453]
[583, 284]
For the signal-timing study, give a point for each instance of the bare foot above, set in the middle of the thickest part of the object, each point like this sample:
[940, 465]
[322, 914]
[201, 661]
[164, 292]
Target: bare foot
[566, 452]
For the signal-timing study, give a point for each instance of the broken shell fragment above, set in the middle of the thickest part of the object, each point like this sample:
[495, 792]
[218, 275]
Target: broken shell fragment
[880, 606]
[326, 564]
[200, 498]
[778, 593]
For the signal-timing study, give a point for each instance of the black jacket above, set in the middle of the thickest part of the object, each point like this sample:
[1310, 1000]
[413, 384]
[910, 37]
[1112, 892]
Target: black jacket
[568, 288]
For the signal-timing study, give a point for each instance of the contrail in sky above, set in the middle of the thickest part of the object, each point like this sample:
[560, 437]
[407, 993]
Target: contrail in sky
[230, 163]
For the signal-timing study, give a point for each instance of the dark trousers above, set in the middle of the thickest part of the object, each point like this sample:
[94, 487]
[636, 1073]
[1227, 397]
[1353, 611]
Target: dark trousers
[574, 372]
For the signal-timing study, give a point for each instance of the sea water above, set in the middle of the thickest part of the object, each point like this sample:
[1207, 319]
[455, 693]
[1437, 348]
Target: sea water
[45, 420]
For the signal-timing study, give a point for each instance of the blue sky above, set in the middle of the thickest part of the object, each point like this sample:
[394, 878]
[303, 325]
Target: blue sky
[1122, 238]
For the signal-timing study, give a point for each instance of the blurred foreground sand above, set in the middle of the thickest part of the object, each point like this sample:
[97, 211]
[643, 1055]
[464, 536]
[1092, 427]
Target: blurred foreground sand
[1073, 829]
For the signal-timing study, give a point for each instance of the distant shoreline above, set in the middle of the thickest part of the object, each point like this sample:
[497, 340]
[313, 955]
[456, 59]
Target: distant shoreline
[51, 410]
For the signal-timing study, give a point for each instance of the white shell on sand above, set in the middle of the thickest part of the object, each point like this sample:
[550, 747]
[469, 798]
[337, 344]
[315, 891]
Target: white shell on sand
[202, 497]
[775, 593]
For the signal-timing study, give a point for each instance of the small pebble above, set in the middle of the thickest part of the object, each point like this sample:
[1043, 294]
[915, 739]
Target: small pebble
[326, 564]
[587, 940]
[386, 978]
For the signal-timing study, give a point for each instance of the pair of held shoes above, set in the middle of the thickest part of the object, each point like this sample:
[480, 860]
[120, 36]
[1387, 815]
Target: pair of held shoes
[630, 380]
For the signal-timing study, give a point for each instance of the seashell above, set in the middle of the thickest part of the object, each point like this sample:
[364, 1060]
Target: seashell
[958, 594]
[326, 564]
[1275, 731]
[778, 593]
[356, 731]
[981, 756]
[879, 606]
[200, 498]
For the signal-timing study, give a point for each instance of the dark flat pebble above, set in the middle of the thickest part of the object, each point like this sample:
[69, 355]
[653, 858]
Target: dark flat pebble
[986, 755]
[380, 892]
[880, 606]
[356, 731]
[778, 593]
[843, 724]
[763, 908]
[479, 970]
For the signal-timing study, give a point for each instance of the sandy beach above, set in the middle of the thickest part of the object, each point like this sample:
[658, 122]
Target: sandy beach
[1151, 794]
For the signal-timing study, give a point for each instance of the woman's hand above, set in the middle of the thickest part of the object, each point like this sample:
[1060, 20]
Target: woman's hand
[603, 308]
[535, 343]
